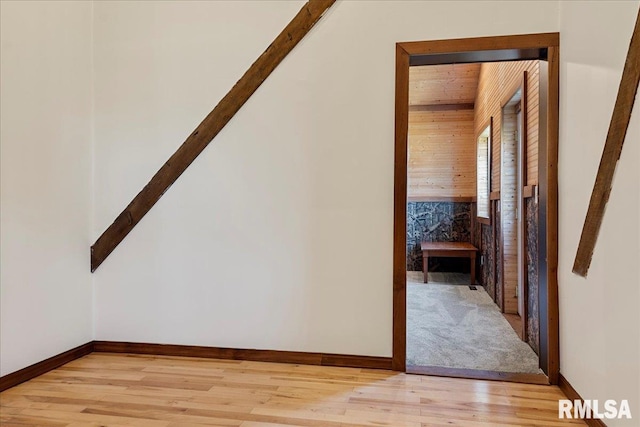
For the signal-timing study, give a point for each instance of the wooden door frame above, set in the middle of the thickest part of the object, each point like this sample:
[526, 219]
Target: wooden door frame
[547, 177]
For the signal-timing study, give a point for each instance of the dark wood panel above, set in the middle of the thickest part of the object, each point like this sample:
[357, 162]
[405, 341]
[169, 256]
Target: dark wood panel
[611, 154]
[198, 140]
[572, 394]
[303, 358]
[439, 371]
[441, 107]
[37, 369]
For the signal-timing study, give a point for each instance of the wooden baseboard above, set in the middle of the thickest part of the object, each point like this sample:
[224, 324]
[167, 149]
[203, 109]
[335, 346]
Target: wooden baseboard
[37, 369]
[302, 358]
[439, 371]
[572, 394]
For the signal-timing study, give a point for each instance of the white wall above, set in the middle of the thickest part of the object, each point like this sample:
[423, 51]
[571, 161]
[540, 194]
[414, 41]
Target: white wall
[599, 316]
[45, 129]
[279, 236]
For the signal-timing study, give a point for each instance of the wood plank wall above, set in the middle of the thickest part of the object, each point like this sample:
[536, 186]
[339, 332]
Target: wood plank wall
[496, 80]
[441, 155]
[509, 204]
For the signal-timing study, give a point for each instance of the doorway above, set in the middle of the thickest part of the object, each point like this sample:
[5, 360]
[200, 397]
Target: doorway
[541, 47]
[513, 179]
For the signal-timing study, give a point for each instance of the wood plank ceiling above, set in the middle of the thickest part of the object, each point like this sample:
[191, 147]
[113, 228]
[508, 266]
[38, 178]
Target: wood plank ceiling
[443, 87]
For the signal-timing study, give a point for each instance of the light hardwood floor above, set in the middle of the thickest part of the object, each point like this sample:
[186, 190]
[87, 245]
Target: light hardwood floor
[104, 389]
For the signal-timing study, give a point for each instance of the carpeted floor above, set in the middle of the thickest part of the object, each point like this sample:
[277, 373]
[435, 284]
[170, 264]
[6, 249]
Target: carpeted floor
[452, 326]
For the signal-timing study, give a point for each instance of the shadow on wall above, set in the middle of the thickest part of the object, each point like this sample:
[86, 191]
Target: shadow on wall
[437, 222]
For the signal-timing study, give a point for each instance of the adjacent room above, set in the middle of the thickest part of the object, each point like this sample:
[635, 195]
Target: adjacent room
[472, 297]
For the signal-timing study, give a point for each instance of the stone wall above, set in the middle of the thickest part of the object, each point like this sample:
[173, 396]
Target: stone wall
[498, 255]
[533, 313]
[487, 251]
[436, 222]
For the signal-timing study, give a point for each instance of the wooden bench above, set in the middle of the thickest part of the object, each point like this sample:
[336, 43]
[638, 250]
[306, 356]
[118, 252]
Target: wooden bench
[448, 249]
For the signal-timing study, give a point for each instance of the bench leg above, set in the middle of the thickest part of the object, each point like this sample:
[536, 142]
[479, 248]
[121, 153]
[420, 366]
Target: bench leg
[473, 268]
[425, 265]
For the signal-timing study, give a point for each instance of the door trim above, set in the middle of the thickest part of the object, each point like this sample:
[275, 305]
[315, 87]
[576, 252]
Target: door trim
[547, 45]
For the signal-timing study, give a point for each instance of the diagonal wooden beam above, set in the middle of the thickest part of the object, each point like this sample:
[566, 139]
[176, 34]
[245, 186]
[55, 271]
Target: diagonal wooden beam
[295, 31]
[612, 149]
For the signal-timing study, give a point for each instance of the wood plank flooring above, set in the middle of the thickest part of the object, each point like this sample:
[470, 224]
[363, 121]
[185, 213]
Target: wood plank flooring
[515, 321]
[104, 389]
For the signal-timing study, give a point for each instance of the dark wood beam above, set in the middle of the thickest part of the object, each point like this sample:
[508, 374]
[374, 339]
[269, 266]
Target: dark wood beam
[611, 154]
[442, 107]
[197, 141]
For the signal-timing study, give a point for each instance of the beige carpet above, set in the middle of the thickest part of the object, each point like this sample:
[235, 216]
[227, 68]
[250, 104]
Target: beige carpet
[452, 326]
